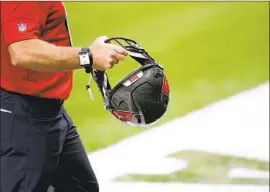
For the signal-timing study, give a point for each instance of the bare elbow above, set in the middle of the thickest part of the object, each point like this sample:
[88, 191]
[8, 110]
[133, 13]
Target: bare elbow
[16, 55]
[15, 60]
[21, 52]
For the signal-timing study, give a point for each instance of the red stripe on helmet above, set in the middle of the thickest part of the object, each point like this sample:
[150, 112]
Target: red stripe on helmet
[165, 86]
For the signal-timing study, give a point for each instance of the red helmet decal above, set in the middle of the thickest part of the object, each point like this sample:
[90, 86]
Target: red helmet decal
[133, 79]
[165, 86]
[123, 115]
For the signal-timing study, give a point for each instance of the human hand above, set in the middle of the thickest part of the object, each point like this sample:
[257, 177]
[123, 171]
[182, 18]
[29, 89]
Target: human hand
[106, 55]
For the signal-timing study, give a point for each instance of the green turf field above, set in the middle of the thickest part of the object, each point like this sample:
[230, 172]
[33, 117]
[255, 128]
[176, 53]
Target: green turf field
[206, 168]
[209, 51]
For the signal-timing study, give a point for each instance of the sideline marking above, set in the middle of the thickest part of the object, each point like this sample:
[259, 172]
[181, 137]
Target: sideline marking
[237, 126]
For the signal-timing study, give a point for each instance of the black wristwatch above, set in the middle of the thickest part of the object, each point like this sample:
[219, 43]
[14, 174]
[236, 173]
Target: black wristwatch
[86, 59]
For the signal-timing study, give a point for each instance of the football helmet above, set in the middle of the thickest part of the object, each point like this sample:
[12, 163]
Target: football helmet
[142, 97]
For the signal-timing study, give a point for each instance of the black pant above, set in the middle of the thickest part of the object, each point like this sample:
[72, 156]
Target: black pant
[40, 146]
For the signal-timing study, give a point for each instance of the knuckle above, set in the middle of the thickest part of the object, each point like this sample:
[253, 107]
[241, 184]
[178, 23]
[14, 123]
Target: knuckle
[110, 60]
[121, 57]
[121, 50]
[109, 66]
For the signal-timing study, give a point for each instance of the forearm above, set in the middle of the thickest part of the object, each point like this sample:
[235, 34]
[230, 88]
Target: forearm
[41, 56]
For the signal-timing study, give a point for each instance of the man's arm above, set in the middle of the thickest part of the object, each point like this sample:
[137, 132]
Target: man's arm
[41, 56]
[26, 50]
[38, 55]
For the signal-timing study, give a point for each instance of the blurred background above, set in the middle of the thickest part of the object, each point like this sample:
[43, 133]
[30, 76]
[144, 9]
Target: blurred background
[210, 51]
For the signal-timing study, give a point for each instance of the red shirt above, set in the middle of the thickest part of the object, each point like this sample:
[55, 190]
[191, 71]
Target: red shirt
[34, 20]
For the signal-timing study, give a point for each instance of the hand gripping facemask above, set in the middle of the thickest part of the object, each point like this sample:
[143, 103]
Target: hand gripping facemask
[142, 97]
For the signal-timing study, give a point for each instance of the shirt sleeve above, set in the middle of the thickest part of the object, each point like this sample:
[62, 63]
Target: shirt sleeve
[21, 20]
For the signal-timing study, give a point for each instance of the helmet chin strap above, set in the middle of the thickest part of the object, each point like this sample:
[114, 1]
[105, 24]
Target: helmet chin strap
[88, 88]
[101, 78]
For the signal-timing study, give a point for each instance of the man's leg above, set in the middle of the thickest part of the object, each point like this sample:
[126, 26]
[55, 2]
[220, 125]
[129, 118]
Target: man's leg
[30, 144]
[74, 173]
[12, 152]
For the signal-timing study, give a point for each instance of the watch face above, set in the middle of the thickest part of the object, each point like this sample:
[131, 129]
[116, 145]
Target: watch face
[84, 59]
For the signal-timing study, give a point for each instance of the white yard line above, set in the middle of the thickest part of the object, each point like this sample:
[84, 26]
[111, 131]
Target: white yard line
[236, 126]
[147, 187]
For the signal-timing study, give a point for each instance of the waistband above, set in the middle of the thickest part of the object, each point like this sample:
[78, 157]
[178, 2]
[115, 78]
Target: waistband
[44, 107]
